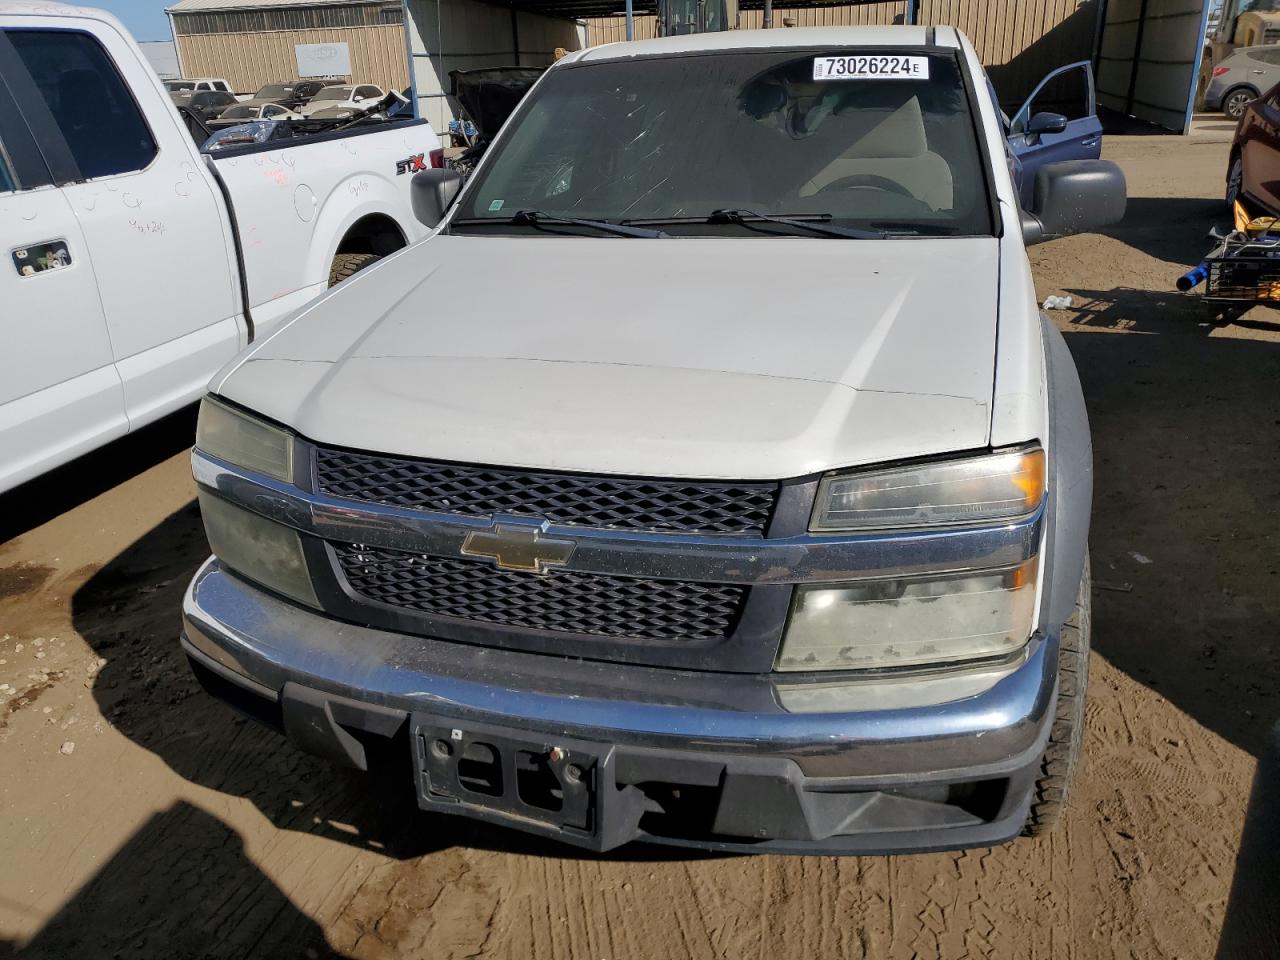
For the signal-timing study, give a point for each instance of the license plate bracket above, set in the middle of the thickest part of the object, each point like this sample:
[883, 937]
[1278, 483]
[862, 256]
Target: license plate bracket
[501, 775]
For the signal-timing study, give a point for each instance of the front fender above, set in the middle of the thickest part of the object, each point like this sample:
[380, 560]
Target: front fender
[350, 201]
[1070, 487]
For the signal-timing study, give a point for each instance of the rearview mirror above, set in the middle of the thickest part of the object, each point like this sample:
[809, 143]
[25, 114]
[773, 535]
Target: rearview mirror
[1074, 196]
[432, 193]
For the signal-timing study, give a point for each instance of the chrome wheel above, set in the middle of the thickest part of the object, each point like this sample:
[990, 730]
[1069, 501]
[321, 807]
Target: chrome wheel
[1235, 103]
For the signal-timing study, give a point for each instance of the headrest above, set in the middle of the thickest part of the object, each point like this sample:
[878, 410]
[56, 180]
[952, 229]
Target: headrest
[900, 134]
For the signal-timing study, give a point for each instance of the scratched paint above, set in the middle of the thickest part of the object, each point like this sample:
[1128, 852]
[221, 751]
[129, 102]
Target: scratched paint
[148, 227]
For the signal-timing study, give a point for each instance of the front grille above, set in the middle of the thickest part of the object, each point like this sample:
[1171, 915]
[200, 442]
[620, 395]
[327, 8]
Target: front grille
[618, 502]
[560, 600]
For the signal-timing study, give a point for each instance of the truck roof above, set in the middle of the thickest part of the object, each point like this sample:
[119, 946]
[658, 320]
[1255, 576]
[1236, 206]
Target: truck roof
[782, 38]
[34, 8]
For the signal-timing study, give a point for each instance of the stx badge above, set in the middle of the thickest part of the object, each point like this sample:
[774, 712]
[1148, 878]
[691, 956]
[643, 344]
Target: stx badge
[411, 164]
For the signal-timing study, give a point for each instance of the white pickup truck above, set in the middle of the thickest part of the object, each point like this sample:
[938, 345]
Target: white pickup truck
[746, 507]
[135, 265]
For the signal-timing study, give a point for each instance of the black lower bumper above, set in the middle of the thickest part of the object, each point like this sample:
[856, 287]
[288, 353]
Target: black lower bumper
[600, 794]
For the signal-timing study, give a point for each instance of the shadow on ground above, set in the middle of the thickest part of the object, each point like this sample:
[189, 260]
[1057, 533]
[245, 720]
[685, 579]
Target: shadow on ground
[65, 488]
[1186, 434]
[1174, 229]
[147, 902]
[1252, 924]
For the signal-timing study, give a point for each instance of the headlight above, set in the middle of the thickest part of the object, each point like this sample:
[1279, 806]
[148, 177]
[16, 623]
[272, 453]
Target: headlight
[258, 548]
[910, 621]
[246, 441]
[997, 486]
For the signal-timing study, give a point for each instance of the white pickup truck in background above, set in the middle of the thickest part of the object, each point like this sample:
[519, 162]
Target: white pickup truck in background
[136, 265]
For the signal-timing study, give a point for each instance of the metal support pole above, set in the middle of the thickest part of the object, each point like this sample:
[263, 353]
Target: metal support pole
[768, 14]
[1195, 73]
[630, 24]
[913, 15]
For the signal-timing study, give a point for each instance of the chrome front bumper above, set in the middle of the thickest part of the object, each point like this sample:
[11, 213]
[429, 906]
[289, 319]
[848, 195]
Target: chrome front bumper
[263, 643]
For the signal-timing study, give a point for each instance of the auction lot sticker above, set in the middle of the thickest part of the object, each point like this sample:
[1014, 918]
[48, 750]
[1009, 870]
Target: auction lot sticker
[874, 67]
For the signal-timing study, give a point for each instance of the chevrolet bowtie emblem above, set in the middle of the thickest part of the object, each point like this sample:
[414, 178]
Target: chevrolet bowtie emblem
[517, 547]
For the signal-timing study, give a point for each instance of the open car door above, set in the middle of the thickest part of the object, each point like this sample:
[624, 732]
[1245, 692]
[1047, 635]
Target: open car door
[1059, 121]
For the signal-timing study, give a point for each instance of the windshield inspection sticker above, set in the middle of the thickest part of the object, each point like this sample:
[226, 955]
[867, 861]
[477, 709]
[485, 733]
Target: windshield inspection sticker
[879, 67]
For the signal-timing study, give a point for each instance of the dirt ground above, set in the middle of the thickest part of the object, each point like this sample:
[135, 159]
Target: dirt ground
[138, 818]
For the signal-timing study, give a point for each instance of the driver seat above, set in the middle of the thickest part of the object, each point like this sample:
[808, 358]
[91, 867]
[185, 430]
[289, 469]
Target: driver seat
[897, 149]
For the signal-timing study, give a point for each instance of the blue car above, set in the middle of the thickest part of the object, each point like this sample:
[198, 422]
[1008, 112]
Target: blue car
[1059, 121]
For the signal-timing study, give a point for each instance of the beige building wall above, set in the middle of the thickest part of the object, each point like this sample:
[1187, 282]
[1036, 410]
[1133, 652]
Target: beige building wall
[612, 29]
[249, 60]
[1019, 40]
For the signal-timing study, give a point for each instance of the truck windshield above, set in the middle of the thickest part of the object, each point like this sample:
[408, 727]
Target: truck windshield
[675, 139]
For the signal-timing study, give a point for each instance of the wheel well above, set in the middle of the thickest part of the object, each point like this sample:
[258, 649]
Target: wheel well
[1238, 87]
[376, 233]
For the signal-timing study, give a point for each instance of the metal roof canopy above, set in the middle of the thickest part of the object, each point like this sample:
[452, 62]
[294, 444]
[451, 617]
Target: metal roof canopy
[217, 6]
[579, 9]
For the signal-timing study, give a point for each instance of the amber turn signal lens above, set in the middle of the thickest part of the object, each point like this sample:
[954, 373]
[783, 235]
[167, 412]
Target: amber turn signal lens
[1004, 485]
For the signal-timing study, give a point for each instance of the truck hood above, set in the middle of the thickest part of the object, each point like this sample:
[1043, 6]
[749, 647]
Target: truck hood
[717, 358]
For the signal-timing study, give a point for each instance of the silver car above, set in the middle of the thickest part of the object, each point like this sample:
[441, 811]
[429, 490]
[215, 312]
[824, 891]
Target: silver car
[1241, 77]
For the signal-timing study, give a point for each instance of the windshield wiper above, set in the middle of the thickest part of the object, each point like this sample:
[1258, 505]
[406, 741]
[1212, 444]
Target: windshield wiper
[818, 224]
[537, 217]
[910, 228]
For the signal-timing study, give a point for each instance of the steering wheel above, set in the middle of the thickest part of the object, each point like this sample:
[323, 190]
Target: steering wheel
[858, 181]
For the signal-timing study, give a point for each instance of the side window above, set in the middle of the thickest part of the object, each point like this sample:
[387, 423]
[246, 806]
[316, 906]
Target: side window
[1270, 56]
[88, 100]
[367, 92]
[1066, 93]
[269, 112]
[219, 85]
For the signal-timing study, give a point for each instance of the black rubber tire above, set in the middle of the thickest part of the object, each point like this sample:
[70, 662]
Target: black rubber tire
[1235, 100]
[347, 264]
[1235, 178]
[1062, 755]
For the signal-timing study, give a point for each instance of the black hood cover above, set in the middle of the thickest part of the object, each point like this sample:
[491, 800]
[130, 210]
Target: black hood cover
[491, 94]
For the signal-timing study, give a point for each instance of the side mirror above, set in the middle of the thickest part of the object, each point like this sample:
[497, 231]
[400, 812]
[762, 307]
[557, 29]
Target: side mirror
[1046, 123]
[432, 193]
[1074, 196]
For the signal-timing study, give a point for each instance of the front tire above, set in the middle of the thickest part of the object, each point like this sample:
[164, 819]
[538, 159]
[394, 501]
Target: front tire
[1235, 178]
[1066, 737]
[347, 264]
